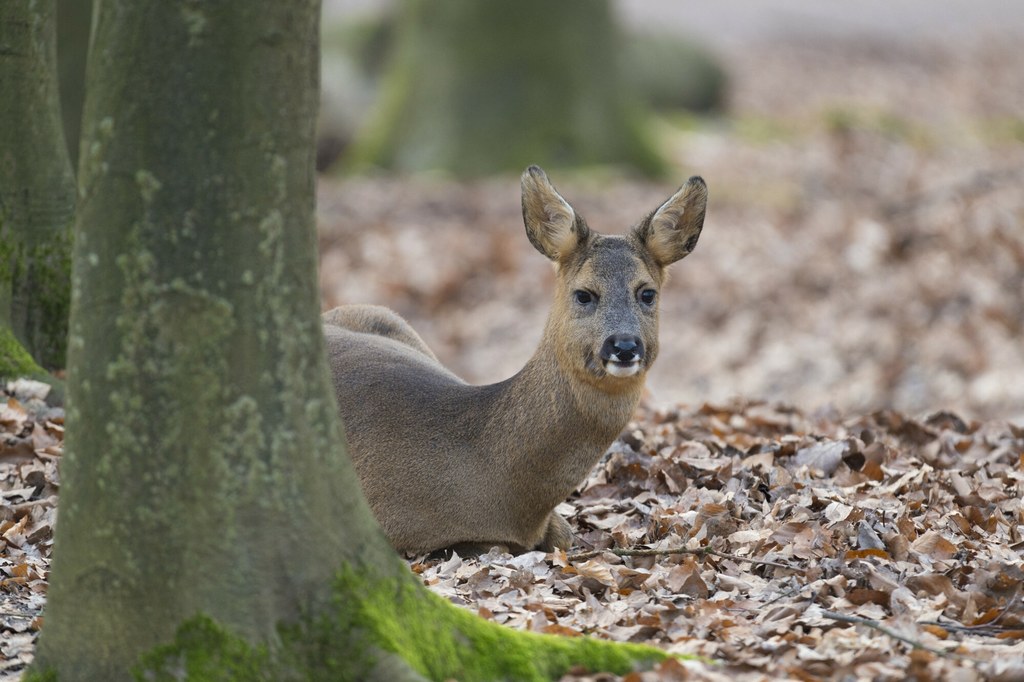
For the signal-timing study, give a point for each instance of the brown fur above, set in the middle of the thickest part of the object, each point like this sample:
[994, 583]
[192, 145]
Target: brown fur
[444, 463]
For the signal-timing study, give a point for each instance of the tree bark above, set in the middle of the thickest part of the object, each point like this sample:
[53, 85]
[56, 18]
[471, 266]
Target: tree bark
[211, 525]
[74, 23]
[37, 193]
[204, 470]
[479, 87]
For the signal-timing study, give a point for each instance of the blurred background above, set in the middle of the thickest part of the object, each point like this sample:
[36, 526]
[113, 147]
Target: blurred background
[864, 244]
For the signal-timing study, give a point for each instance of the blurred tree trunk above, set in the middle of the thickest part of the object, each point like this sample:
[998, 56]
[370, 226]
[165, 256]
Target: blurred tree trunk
[37, 194]
[478, 87]
[211, 525]
[74, 19]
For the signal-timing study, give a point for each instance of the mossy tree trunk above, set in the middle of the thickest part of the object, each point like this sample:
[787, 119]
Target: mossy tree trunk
[37, 193]
[211, 525]
[479, 87]
[204, 470]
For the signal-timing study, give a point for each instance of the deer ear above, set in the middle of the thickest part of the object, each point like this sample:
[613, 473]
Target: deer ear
[552, 225]
[671, 232]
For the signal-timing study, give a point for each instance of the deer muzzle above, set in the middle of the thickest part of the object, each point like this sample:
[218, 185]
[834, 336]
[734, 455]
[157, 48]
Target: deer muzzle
[621, 354]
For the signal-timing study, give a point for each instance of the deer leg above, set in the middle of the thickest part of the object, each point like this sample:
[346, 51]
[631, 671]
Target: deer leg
[558, 534]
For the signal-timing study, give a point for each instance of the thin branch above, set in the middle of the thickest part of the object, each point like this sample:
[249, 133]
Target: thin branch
[15, 614]
[42, 501]
[795, 590]
[875, 625]
[756, 562]
[985, 630]
[580, 556]
[990, 626]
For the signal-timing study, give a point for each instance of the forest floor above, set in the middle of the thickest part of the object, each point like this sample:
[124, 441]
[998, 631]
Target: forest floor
[772, 543]
[863, 259]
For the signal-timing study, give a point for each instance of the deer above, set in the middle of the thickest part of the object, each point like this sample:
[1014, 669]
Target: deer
[446, 464]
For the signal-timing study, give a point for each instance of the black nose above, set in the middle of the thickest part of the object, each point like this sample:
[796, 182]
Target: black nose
[623, 348]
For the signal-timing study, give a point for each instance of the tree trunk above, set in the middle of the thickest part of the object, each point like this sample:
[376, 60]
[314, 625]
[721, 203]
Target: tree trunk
[74, 20]
[478, 87]
[204, 471]
[37, 193]
[211, 525]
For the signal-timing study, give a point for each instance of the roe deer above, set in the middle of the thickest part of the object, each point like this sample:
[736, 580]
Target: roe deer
[444, 463]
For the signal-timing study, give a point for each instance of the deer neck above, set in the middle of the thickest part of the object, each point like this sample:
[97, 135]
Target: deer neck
[555, 426]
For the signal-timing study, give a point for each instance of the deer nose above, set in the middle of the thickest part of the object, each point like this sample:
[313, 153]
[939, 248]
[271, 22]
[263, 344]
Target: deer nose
[624, 348]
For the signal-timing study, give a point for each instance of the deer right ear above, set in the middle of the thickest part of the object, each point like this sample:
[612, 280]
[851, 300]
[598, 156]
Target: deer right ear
[552, 225]
[671, 232]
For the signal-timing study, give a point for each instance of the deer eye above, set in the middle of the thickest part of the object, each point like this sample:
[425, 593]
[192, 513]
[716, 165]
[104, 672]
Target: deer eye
[583, 297]
[647, 296]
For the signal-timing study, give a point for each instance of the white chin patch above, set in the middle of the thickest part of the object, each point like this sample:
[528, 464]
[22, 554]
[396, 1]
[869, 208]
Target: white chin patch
[619, 369]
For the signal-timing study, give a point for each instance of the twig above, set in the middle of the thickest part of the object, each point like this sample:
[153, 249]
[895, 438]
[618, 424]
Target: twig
[875, 625]
[796, 589]
[757, 562]
[580, 556]
[983, 628]
[15, 614]
[22, 506]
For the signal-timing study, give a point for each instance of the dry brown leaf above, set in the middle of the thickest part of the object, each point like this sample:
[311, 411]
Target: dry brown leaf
[823, 457]
[934, 545]
[1010, 634]
[556, 629]
[597, 570]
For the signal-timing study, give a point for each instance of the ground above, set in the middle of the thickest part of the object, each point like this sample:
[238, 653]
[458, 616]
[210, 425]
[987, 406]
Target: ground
[863, 259]
[774, 543]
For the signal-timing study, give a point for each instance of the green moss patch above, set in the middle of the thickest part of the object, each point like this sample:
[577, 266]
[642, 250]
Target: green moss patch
[378, 625]
[442, 641]
[15, 361]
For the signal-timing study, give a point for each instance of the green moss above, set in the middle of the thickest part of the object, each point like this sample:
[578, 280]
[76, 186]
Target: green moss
[37, 275]
[50, 298]
[441, 641]
[15, 361]
[33, 675]
[203, 650]
[382, 628]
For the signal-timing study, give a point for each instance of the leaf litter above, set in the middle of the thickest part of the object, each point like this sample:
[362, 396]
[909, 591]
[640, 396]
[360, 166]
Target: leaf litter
[31, 443]
[770, 542]
[782, 544]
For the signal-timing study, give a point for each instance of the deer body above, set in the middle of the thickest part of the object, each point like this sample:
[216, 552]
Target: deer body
[444, 463]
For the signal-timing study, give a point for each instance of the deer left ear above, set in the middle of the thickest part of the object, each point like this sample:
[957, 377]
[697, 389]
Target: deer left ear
[552, 225]
[671, 232]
